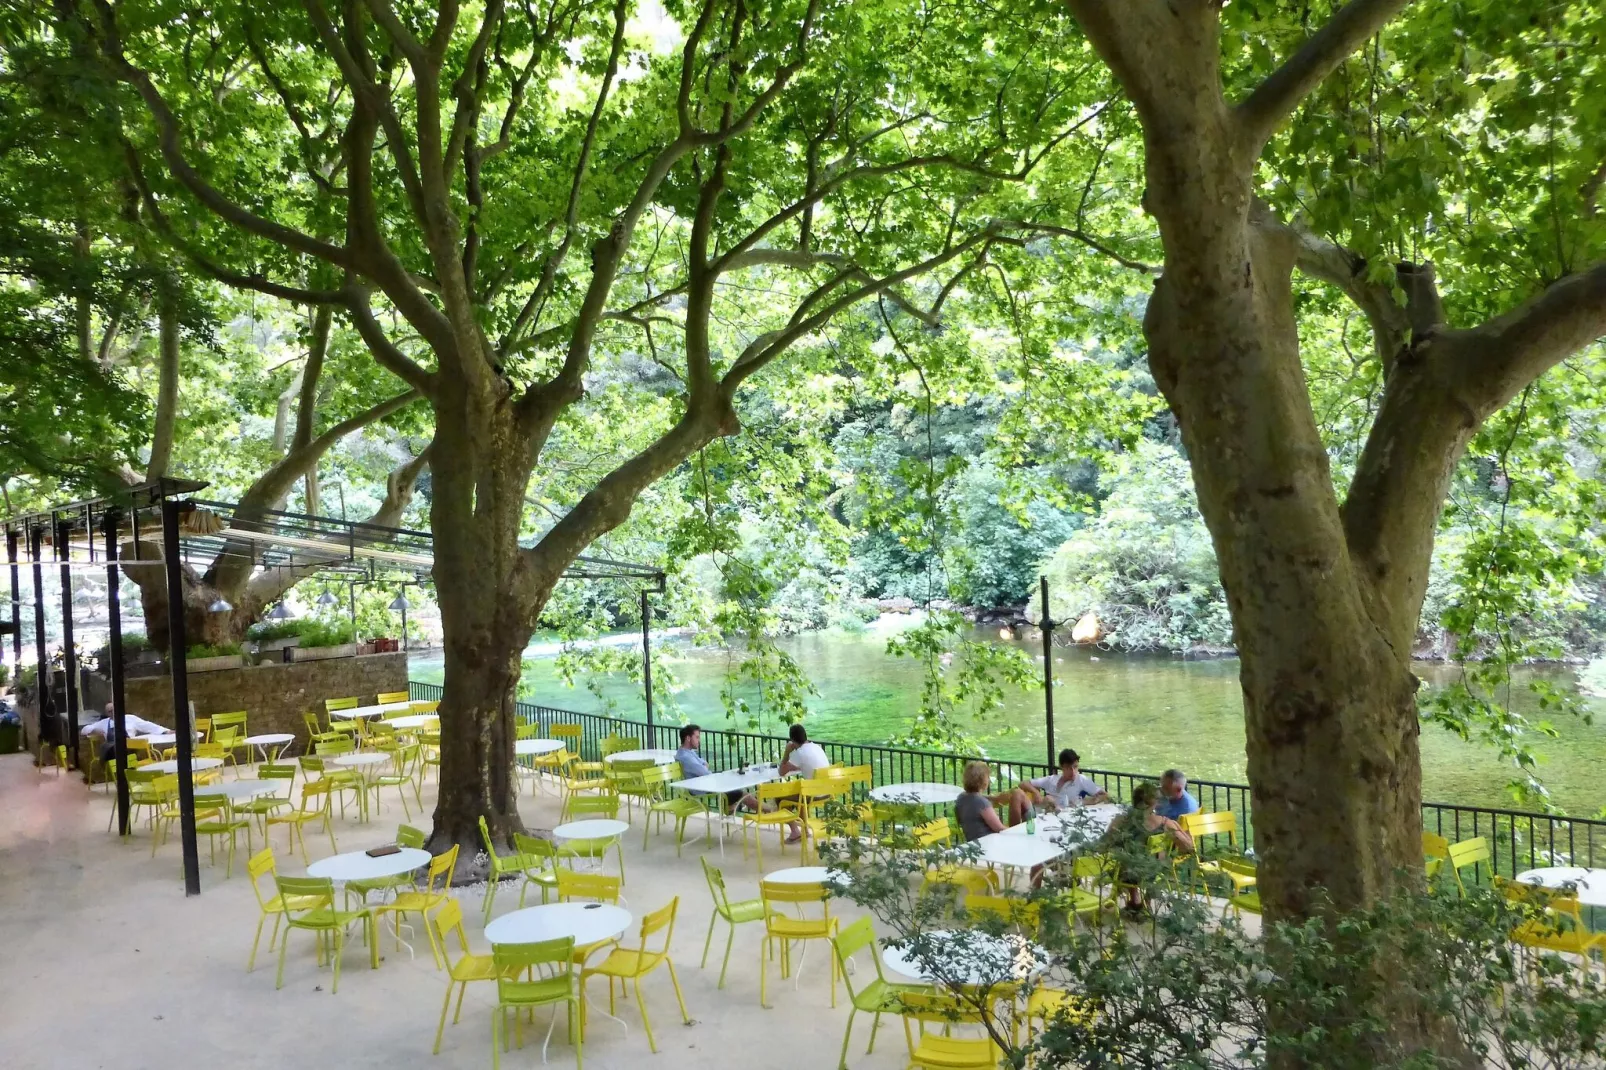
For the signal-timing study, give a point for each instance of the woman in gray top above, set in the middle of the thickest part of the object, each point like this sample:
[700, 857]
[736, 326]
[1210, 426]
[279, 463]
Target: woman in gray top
[974, 809]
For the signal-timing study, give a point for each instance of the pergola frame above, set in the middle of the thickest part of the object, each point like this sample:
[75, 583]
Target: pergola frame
[279, 539]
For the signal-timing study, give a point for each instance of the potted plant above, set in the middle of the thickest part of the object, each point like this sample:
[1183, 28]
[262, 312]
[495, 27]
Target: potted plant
[320, 640]
[276, 634]
[204, 658]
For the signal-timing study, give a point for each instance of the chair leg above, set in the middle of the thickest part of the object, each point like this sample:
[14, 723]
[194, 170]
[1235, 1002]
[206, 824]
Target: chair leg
[842, 1063]
[679, 997]
[730, 939]
[708, 941]
[641, 1005]
[441, 1028]
[875, 1023]
[255, 940]
[278, 980]
[763, 947]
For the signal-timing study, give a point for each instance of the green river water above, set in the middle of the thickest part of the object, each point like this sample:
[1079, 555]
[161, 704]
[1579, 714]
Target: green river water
[1126, 712]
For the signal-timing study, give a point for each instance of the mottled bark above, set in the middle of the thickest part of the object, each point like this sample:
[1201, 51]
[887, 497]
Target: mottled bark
[168, 348]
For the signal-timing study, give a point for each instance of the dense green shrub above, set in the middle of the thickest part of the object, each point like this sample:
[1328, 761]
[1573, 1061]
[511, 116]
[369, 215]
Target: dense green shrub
[204, 650]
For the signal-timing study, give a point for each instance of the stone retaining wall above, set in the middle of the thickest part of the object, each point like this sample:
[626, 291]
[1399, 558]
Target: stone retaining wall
[274, 695]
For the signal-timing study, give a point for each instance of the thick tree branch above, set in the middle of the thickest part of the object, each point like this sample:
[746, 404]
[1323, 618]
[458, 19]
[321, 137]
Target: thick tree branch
[384, 350]
[1275, 99]
[167, 382]
[311, 373]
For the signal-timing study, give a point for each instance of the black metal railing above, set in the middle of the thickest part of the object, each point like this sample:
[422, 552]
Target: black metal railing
[1518, 840]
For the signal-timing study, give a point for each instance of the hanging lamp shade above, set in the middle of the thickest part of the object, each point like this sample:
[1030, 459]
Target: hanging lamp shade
[219, 606]
[327, 599]
[400, 603]
[280, 612]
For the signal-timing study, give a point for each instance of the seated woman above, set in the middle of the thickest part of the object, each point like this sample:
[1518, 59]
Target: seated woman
[973, 808]
[1129, 835]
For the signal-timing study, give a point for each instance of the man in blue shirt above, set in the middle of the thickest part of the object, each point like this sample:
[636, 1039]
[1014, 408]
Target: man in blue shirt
[1174, 798]
[692, 764]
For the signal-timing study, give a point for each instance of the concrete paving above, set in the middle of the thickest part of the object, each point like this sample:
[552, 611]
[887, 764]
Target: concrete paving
[105, 963]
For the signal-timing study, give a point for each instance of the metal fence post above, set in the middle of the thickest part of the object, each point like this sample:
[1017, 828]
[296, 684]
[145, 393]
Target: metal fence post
[114, 651]
[178, 670]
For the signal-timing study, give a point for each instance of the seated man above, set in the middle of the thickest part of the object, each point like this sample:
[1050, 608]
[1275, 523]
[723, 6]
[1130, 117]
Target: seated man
[802, 756]
[1174, 798]
[106, 728]
[692, 764]
[1064, 790]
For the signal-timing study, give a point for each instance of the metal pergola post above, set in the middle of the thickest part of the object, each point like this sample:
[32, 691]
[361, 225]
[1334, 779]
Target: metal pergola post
[1048, 672]
[646, 663]
[16, 600]
[47, 700]
[69, 652]
[114, 651]
[179, 675]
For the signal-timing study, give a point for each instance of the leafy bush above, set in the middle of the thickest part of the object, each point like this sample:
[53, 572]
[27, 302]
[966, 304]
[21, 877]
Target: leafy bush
[276, 629]
[1145, 565]
[317, 633]
[135, 643]
[1416, 980]
[204, 650]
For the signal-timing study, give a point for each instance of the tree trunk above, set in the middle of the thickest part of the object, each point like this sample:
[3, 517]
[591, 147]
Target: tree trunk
[167, 388]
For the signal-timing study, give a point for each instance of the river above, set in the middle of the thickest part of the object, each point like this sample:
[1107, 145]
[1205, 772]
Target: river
[1127, 712]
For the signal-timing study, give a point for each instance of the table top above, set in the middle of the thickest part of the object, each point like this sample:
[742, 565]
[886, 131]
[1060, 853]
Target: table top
[537, 746]
[162, 739]
[586, 922]
[238, 790]
[369, 711]
[730, 780]
[359, 866]
[1590, 883]
[596, 829]
[806, 875]
[414, 720]
[360, 758]
[662, 757]
[927, 793]
[267, 739]
[970, 957]
[171, 765]
[1075, 827]
[1002, 849]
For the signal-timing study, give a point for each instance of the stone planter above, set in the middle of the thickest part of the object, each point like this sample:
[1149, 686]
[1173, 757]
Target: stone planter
[319, 653]
[264, 645]
[227, 661]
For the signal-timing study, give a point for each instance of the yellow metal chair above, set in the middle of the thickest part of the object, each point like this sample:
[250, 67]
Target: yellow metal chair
[1096, 887]
[1011, 910]
[1555, 924]
[682, 806]
[875, 997]
[264, 805]
[275, 905]
[343, 781]
[1435, 853]
[1242, 874]
[1215, 824]
[604, 807]
[614, 744]
[942, 1051]
[814, 795]
[957, 883]
[331, 705]
[234, 723]
[594, 887]
[154, 793]
[203, 728]
[633, 963]
[315, 798]
[221, 821]
[404, 774]
[740, 912]
[1469, 854]
[785, 929]
[543, 869]
[781, 794]
[406, 836]
[645, 782]
[468, 968]
[419, 708]
[326, 923]
[572, 734]
[502, 865]
[435, 893]
[550, 964]
[385, 698]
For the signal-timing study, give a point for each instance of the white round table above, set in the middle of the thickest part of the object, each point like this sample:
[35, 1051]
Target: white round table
[971, 957]
[360, 758]
[925, 793]
[171, 765]
[587, 923]
[657, 757]
[240, 790]
[1073, 827]
[360, 866]
[1589, 884]
[412, 721]
[597, 829]
[525, 747]
[806, 875]
[280, 740]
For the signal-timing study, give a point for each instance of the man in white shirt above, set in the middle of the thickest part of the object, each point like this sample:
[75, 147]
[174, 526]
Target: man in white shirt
[135, 725]
[801, 755]
[1064, 790]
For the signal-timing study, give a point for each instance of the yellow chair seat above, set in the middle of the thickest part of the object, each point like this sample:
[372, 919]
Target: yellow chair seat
[1053, 1002]
[473, 968]
[955, 1053]
[279, 904]
[1240, 881]
[799, 928]
[415, 901]
[627, 962]
[1569, 941]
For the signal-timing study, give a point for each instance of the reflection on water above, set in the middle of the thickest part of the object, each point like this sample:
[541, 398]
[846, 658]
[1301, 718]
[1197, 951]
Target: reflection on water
[1125, 712]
